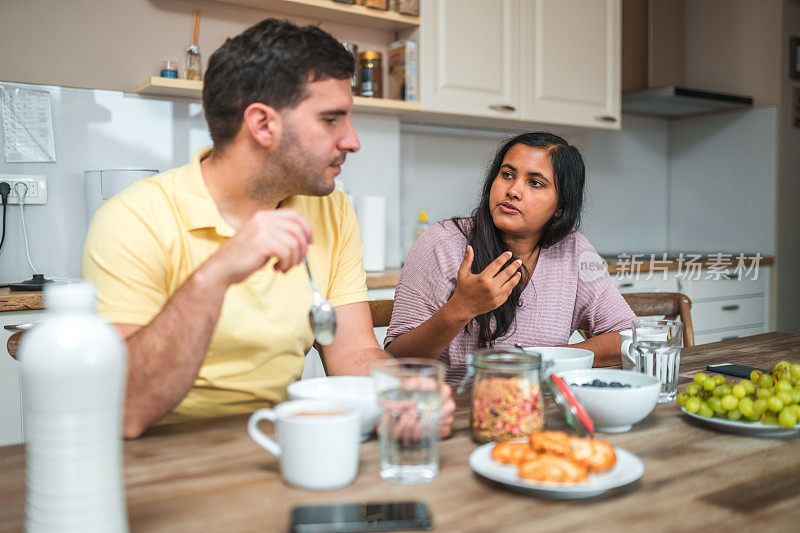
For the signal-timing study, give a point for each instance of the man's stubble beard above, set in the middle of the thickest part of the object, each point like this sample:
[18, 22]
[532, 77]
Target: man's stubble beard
[290, 171]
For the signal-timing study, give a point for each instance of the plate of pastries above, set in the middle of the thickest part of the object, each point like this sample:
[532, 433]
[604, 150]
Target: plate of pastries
[554, 464]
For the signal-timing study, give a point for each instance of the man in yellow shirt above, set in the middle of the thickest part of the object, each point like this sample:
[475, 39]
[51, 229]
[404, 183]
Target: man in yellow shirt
[197, 267]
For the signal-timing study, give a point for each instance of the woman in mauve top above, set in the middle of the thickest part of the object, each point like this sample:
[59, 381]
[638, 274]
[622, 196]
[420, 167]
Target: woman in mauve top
[516, 271]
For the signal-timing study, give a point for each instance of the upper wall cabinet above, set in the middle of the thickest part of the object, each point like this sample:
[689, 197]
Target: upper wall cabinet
[572, 60]
[470, 57]
[545, 61]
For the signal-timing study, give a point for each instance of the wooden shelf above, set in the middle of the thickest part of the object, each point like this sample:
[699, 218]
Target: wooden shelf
[177, 88]
[328, 10]
[384, 106]
[170, 87]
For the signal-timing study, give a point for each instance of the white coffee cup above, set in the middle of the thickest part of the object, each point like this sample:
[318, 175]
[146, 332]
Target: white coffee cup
[626, 341]
[317, 442]
[626, 344]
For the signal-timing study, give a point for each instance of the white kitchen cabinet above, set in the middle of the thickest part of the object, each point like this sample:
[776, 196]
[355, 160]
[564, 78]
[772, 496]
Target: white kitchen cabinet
[729, 313]
[725, 307]
[10, 384]
[705, 338]
[470, 57]
[551, 61]
[640, 283]
[727, 285]
[572, 57]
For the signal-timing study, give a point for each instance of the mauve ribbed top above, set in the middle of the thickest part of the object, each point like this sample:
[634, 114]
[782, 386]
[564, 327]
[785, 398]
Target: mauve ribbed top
[570, 289]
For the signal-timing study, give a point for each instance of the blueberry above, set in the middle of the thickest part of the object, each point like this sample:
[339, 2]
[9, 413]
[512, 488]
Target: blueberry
[615, 384]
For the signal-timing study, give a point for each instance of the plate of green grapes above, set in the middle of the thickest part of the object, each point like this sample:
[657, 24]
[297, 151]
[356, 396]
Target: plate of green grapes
[766, 405]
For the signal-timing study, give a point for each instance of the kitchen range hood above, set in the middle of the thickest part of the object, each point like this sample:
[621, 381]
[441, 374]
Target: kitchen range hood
[674, 102]
[665, 64]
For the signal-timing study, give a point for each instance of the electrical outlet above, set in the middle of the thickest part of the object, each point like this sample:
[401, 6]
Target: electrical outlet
[37, 188]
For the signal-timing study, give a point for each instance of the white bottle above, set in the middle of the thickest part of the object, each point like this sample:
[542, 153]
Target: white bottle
[73, 381]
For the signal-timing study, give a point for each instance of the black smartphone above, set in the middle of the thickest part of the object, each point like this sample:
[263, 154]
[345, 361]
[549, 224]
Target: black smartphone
[361, 517]
[732, 369]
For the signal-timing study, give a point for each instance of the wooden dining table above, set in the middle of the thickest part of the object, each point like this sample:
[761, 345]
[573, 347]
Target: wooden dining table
[210, 476]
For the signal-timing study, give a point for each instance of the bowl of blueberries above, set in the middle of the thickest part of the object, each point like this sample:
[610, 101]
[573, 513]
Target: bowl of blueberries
[614, 399]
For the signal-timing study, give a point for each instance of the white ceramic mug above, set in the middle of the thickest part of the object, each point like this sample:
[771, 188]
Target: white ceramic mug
[626, 341]
[317, 442]
[626, 344]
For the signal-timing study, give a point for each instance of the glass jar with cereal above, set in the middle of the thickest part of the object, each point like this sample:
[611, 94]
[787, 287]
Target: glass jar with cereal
[507, 397]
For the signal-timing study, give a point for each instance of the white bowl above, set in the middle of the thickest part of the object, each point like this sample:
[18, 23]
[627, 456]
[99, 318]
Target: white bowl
[563, 358]
[356, 390]
[614, 409]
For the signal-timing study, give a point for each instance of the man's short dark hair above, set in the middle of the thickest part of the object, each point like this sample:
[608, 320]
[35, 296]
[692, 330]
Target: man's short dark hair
[270, 63]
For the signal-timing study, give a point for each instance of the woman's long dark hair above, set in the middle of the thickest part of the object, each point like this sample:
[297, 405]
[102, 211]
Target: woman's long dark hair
[486, 240]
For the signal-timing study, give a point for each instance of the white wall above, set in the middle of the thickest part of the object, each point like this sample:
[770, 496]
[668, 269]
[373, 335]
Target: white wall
[442, 172]
[375, 171]
[109, 129]
[626, 186]
[93, 129]
[722, 182]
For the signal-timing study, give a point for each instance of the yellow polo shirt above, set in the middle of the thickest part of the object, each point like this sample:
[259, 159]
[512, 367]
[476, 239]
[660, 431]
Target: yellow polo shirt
[145, 242]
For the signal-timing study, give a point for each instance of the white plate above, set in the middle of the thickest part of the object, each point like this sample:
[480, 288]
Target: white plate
[628, 469]
[754, 429]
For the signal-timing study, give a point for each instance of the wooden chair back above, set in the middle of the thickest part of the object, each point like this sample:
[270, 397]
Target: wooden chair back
[13, 341]
[13, 344]
[670, 304]
[381, 311]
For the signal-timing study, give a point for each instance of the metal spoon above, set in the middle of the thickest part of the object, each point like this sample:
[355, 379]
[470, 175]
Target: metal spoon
[321, 316]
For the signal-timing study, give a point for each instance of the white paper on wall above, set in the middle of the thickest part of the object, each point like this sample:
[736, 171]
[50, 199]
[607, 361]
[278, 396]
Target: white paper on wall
[27, 125]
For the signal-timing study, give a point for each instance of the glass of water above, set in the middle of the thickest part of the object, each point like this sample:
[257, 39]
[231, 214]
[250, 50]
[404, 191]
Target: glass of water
[657, 351]
[410, 404]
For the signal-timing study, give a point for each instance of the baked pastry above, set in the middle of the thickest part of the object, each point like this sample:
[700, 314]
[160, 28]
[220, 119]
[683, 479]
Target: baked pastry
[596, 455]
[550, 467]
[557, 457]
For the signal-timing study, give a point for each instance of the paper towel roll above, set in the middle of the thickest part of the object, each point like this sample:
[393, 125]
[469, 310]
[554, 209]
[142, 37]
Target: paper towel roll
[371, 213]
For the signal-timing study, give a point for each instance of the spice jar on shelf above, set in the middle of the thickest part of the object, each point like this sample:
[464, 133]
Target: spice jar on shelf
[169, 69]
[371, 74]
[406, 7]
[375, 4]
[507, 400]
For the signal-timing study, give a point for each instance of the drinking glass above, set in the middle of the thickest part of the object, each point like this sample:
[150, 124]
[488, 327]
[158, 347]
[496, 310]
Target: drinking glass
[657, 352]
[409, 404]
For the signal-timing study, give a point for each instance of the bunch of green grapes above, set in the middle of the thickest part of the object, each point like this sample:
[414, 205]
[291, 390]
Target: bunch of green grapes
[773, 399]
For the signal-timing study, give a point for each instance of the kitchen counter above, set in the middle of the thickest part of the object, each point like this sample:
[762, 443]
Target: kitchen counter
[20, 301]
[386, 279]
